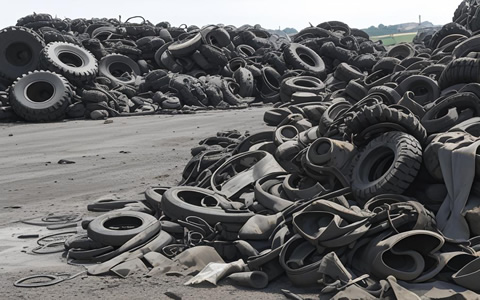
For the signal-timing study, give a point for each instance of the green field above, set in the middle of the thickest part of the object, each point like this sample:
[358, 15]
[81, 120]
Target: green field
[393, 39]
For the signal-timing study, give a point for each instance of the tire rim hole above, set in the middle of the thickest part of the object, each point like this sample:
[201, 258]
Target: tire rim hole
[40, 91]
[71, 59]
[123, 223]
[305, 83]
[19, 54]
[307, 59]
[324, 147]
[420, 90]
[378, 163]
[118, 69]
[198, 199]
[288, 133]
[272, 80]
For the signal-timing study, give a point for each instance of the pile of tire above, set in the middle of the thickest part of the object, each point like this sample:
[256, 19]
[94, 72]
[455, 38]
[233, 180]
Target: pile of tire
[367, 175]
[52, 69]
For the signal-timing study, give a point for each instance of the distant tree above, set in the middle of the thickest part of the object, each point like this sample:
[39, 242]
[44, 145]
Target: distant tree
[381, 26]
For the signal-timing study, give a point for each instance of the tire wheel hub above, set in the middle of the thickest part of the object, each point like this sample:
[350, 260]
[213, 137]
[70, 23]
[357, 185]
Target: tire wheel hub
[19, 54]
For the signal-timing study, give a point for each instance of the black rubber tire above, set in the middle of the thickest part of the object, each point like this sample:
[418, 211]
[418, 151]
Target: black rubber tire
[442, 111]
[370, 176]
[401, 51]
[41, 96]
[230, 91]
[170, 62]
[75, 63]
[213, 55]
[275, 116]
[186, 47]
[471, 44]
[380, 113]
[300, 84]
[448, 29]
[301, 57]
[346, 72]
[332, 113]
[217, 37]
[426, 89]
[20, 48]
[244, 78]
[175, 206]
[131, 223]
[114, 64]
[386, 64]
[355, 90]
[461, 70]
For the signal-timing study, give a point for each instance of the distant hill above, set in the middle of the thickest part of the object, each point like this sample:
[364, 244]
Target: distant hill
[283, 32]
[395, 29]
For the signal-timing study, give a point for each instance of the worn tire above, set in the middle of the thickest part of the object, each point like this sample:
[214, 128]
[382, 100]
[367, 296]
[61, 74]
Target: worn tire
[387, 165]
[41, 96]
[461, 70]
[73, 62]
[20, 48]
[176, 205]
[380, 113]
[129, 223]
[114, 65]
[301, 57]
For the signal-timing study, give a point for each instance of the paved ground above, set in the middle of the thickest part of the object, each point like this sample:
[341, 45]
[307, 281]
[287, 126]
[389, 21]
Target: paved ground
[118, 160]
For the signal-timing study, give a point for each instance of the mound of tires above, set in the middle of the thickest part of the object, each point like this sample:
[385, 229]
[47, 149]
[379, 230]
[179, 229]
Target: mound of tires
[365, 185]
[118, 68]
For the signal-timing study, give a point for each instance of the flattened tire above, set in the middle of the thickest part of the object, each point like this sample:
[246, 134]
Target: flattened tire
[114, 65]
[41, 96]
[117, 227]
[20, 48]
[179, 203]
[301, 57]
[388, 165]
[77, 64]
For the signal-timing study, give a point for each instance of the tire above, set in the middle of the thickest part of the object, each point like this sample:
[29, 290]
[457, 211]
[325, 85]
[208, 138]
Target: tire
[304, 58]
[244, 78]
[386, 64]
[441, 117]
[213, 55]
[369, 116]
[218, 37]
[448, 29]
[41, 96]
[103, 229]
[461, 70]
[426, 89]
[20, 48]
[113, 66]
[230, 90]
[388, 165]
[170, 63]
[181, 202]
[401, 51]
[185, 47]
[471, 44]
[300, 84]
[346, 72]
[73, 62]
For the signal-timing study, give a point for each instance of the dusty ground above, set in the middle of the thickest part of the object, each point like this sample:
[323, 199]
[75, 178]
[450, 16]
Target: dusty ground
[118, 160]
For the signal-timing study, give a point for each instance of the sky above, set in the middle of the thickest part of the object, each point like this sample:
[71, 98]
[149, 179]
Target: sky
[270, 14]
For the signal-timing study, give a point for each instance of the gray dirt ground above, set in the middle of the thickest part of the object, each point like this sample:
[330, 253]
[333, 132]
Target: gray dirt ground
[157, 148]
